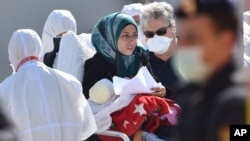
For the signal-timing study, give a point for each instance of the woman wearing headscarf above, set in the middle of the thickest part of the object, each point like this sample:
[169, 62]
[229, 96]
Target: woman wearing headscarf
[118, 54]
[115, 40]
[44, 104]
[57, 23]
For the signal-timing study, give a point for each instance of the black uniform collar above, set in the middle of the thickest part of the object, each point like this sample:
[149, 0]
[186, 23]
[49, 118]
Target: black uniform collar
[221, 79]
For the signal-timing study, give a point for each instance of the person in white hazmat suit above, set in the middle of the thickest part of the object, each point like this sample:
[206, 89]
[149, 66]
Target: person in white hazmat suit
[57, 23]
[44, 104]
[65, 50]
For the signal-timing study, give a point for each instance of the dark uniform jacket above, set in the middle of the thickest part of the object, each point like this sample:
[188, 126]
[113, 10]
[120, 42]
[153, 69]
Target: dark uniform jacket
[206, 109]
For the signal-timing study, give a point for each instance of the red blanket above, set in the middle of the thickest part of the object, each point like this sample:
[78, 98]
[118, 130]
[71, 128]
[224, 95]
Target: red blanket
[147, 110]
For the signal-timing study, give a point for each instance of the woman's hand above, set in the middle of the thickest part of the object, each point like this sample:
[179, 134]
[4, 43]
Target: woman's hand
[159, 91]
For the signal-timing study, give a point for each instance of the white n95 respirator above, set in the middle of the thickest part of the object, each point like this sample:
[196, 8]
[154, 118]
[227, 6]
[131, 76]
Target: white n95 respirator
[158, 44]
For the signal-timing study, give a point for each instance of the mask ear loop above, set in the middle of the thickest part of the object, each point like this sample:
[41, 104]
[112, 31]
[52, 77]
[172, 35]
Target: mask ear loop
[174, 34]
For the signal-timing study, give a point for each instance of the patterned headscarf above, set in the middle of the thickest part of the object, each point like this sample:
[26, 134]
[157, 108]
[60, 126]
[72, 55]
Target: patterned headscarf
[105, 36]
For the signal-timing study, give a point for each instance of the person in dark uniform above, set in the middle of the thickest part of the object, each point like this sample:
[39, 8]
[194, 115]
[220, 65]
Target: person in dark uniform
[159, 27]
[213, 98]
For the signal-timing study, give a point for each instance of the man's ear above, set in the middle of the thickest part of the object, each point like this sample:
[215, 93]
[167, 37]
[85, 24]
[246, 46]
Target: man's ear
[174, 32]
[228, 39]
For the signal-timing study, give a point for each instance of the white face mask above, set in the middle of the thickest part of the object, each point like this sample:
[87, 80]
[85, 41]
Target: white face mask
[189, 64]
[158, 44]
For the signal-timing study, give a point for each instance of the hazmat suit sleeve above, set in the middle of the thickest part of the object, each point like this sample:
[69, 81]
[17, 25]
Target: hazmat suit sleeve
[72, 55]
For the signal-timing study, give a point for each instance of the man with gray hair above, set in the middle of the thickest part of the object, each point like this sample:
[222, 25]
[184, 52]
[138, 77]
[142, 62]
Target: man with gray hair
[158, 26]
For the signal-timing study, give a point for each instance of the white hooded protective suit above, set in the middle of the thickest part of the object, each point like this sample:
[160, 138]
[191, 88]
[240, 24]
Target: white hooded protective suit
[246, 36]
[58, 21]
[45, 104]
[73, 53]
[134, 9]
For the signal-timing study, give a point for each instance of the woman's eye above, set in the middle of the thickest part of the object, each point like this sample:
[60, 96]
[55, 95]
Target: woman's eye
[135, 35]
[126, 35]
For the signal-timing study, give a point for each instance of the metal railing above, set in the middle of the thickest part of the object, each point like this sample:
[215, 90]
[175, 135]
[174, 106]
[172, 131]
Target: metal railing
[114, 134]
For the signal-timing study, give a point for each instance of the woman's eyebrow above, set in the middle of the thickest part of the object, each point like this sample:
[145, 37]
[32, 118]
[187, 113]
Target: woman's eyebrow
[125, 32]
[128, 32]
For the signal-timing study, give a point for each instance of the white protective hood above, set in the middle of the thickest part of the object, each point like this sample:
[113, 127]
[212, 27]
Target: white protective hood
[246, 36]
[24, 43]
[133, 9]
[44, 104]
[58, 21]
[72, 55]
